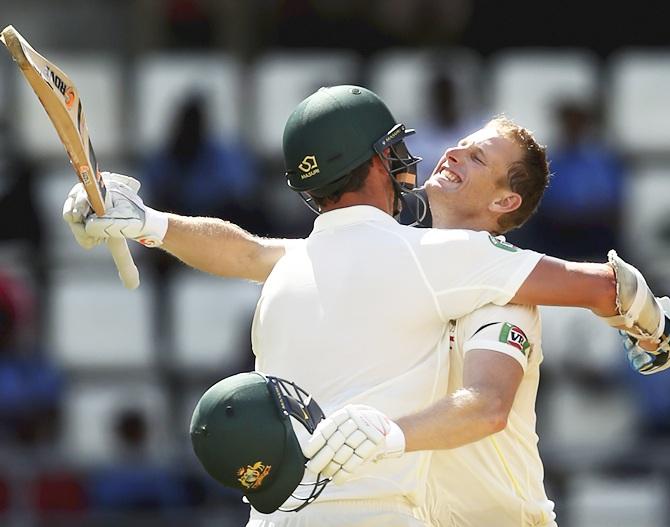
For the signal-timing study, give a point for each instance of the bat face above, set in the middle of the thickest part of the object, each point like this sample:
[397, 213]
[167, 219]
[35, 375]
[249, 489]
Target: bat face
[61, 100]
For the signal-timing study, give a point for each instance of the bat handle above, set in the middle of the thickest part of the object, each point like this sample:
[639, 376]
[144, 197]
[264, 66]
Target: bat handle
[124, 262]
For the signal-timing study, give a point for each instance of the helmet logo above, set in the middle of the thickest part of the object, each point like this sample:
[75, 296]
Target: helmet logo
[309, 167]
[252, 476]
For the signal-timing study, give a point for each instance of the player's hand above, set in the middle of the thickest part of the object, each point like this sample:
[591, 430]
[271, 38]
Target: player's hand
[648, 357]
[126, 216]
[350, 437]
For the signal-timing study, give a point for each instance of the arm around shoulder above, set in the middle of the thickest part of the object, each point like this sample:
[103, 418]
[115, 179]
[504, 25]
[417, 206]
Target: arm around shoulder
[556, 282]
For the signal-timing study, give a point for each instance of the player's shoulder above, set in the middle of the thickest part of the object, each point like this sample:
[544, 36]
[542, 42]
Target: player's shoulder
[465, 241]
[442, 236]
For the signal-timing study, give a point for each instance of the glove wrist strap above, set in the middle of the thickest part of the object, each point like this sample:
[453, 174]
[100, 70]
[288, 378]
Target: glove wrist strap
[395, 441]
[155, 228]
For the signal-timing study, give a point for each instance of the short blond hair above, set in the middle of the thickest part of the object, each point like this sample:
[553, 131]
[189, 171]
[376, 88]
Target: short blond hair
[528, 177]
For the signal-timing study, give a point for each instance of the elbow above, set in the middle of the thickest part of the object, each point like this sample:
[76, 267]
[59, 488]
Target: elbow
[498, 422]
[497, 415]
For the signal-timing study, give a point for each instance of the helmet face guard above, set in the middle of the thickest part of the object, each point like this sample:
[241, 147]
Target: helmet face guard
[293, 401]
[402, 164]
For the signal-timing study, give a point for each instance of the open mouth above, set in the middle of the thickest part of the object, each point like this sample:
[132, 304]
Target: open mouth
[449, 179]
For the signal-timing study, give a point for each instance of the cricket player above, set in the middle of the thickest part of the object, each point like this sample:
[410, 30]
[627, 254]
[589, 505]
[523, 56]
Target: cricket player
[357, 313]
[492, 474]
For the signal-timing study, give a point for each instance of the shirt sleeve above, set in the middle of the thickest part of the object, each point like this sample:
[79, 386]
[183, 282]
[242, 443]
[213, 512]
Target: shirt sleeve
[468, 269]
[512, 330]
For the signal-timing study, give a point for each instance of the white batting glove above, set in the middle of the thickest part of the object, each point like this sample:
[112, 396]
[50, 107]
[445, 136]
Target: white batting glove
[639, 313]
[126, 216]
[350, 437]
[648, 362]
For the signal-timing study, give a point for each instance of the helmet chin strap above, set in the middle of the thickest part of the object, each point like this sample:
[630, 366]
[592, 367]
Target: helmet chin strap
[416, 202]
[402, 183]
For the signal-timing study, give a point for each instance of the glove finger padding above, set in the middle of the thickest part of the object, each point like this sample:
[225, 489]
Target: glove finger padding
[343, 454]
[75, 211]
[114, 227]
[350, 437]
[644, 361]
[326, 428]
[320, 460]
[128, 217]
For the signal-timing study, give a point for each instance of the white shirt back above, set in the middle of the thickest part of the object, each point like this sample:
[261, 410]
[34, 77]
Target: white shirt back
[358, 314]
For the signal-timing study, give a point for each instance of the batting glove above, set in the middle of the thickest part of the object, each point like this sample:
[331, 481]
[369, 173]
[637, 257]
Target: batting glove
[648, 362]
[126, 216]
[350, 437]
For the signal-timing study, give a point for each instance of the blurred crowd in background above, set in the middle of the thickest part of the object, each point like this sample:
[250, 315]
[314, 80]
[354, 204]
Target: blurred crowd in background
[97, 384]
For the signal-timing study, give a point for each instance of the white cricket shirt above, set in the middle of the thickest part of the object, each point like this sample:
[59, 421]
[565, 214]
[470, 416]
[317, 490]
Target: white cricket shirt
[357, 314]
[499, 479]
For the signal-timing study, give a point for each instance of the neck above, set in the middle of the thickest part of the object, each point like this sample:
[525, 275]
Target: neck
[351, 199]
[376, 192]
[444, 220]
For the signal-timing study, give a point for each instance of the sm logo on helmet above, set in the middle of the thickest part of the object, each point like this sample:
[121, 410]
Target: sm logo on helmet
[309, 167]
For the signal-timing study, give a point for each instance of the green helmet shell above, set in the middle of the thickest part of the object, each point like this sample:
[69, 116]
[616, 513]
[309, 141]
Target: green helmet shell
[329, 134]
[243, 441]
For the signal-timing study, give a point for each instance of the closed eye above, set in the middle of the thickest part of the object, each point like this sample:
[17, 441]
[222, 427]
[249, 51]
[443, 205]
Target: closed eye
[477, 156]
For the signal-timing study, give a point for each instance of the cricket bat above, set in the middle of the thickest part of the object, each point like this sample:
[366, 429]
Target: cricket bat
[60, 99]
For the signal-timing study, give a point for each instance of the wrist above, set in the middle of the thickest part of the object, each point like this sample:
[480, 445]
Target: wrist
[395, 441]
[155, 228]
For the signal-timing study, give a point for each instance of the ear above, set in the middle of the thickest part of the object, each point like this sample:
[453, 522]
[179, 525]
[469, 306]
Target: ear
[508, 202]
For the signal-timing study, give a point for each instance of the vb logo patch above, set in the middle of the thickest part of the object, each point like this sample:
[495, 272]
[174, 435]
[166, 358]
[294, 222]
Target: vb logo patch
[252, 476]
[308, 167]
[514, 336]
[500, 243]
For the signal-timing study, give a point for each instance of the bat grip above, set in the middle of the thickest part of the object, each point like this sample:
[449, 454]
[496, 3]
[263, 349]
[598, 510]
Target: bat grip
[128, 273]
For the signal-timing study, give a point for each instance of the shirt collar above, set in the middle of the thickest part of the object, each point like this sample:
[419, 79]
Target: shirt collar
[350, 216]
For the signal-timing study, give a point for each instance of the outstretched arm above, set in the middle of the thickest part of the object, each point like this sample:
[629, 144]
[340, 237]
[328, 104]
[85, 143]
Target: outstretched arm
[615, 291]
[221, 248]
[558, 282]
[208, 244]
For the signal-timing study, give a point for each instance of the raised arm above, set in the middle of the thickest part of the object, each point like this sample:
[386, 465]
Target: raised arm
[221, 248]
[208, 244]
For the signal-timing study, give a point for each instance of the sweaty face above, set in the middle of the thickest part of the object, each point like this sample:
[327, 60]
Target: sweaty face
[471, 176]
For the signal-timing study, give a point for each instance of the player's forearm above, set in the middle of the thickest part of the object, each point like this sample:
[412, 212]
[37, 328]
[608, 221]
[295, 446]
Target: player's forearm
[463, 417]
[556, 282]
[221, 248]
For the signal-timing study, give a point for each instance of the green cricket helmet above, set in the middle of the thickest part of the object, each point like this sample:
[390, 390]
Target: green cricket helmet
[335, 130]
[242, 434]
